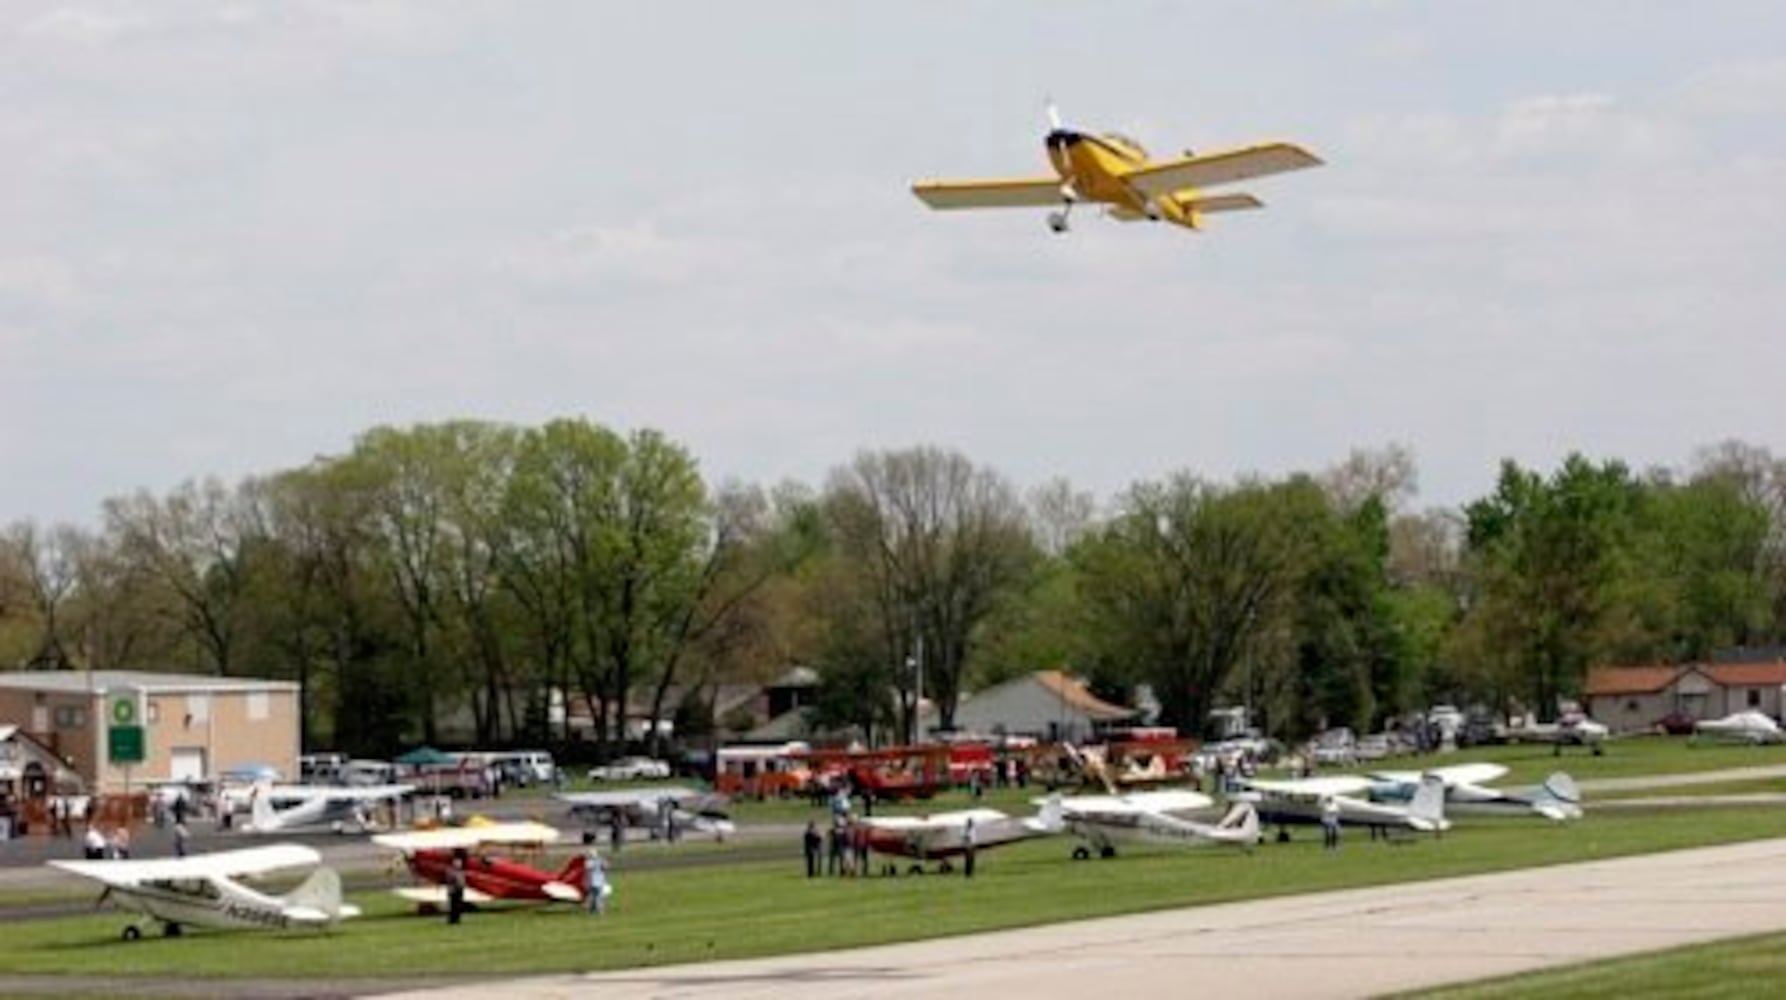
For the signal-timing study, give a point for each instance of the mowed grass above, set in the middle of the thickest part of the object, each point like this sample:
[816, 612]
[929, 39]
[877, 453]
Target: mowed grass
[1636, 756]
[760, 909]
[1746, 786]
[1746, 967]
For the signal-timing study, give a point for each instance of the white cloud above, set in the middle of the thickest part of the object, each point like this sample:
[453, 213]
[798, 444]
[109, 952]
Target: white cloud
[1743, 88]
[80, 26]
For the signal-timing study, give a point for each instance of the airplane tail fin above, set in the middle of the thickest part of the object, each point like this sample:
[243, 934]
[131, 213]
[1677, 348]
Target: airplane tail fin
[319, 897]
[1052, 817]
[1559, 798]
[1244, 818]
[574, 872]
[261, 814]
[1428, 802]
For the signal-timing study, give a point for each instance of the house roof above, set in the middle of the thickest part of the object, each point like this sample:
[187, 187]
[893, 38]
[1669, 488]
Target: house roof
[100, 681]
[1747, 674]
[1629, 680]
[1073, 693]
[1613, 681]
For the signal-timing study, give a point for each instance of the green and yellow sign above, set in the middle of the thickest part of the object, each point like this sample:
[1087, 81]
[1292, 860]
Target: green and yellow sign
[124, 726]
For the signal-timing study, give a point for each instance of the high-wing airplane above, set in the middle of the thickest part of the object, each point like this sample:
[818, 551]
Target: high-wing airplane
[942, 836]
[644, 808]
[1466, 792]
[1299, 801]
[1751, 727]
[203, 891]
[1115, 171]
[339, 807]
[1573, 730]
[1101, 820]
[488, 877]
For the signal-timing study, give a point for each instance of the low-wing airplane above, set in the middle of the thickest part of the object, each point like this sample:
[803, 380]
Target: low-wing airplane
[1751, 727]
[429, 856]
[203, 891]
[339, 807]
[1299, 801]
[1466, 792]
[1116, 172]
[645, 808]
[942, 836]
[1572, 730]
[1101, 820]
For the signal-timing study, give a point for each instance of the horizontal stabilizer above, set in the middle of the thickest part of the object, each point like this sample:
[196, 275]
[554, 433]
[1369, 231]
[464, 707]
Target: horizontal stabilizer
[1220, 203]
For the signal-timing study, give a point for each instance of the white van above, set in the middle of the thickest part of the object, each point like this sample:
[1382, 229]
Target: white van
[525, 767]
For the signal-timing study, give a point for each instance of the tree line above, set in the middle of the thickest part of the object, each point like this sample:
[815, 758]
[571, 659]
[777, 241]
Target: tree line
[470, 570]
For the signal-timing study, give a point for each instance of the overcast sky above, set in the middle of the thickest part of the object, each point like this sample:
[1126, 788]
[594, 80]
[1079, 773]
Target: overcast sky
[234, 235]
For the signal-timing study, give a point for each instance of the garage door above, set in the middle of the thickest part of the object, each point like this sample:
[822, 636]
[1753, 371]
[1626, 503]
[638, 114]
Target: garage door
[188, 764]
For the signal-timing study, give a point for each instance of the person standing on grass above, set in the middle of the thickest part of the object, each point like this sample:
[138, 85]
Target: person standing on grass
[595, 878]
[180, 836]
[967, 845]
[456, 887]
[834, 849]
[1330, 823]
[859, 841]
[812, 842]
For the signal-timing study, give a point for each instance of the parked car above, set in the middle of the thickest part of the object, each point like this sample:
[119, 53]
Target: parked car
[630, 769]
[1677, 724]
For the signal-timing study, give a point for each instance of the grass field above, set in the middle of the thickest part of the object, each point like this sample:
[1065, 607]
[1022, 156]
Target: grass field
[757, 909]
[1624, 758]
[1748, 786]
[1747, 967]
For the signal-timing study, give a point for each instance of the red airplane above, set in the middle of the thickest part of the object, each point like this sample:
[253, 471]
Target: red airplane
[429, 855]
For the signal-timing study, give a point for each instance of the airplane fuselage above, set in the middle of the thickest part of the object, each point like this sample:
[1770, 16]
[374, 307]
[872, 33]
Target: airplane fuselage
[203, 903]
[1091, 168]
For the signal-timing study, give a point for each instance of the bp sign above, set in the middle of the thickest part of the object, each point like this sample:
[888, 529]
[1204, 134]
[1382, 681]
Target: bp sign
[124, 726]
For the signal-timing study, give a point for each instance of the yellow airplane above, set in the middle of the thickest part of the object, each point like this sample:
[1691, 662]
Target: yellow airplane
[1115, 171]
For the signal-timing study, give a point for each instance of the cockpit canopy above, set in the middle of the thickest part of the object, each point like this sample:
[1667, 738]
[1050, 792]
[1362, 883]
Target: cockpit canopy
[1126, 144]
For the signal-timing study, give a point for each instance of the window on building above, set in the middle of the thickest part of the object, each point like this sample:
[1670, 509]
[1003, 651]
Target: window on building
[154, 712]
[1754, 697]
[71, 717]
[198, 709]
[1631, 705]
[257, 706]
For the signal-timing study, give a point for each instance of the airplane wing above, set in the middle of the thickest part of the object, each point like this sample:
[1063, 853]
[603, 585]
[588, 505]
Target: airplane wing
[646, 797]
[1219, 168]
[1314, 787]
[222, 864]
[1468, 774]
[468, 837]
[1026, 192]
[1169, 801]
[436, 895]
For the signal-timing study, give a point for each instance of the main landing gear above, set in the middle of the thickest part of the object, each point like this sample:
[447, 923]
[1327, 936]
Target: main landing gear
[1057, 221]
[1083, 853]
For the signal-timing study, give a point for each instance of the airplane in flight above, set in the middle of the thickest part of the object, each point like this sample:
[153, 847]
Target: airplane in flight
[1099, 821]
[203, 891]
[1751, 727]
[690, 809]
[1116, 172]
[1298, 801]
[488, 876]
[942, 836]
[343, 808]
[1467, 792]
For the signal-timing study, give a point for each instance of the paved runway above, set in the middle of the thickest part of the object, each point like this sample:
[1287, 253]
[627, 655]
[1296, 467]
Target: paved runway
[1354, 943]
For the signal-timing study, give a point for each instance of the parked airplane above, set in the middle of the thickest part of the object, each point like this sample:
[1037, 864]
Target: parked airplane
[1115, 171]
[340, 807]
[647, 808]
[1466, 792]
[429, 857]
[202, 891]
[1299, 801]
[1100, 820]
[1751, 727]
[942, 836]
[1572, 730]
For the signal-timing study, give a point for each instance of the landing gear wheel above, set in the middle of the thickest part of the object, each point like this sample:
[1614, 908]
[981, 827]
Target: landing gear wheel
[1057, 221]
[1081, 853]
[171, 930]
[132, 932]
[1107, 852]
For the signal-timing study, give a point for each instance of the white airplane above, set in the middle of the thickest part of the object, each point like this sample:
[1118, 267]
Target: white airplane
[202, 890]
[1466, 792]
[1572, 730]
[339, 807]
[1751, 727]
[942, 836]
[1299, 801]
[1100, 820]
[701, 812]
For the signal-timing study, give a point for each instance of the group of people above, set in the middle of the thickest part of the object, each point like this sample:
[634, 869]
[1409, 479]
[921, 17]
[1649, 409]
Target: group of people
[842, 851]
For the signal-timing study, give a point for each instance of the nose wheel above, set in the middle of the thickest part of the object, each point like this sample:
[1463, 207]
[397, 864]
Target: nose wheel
[1057, 221]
